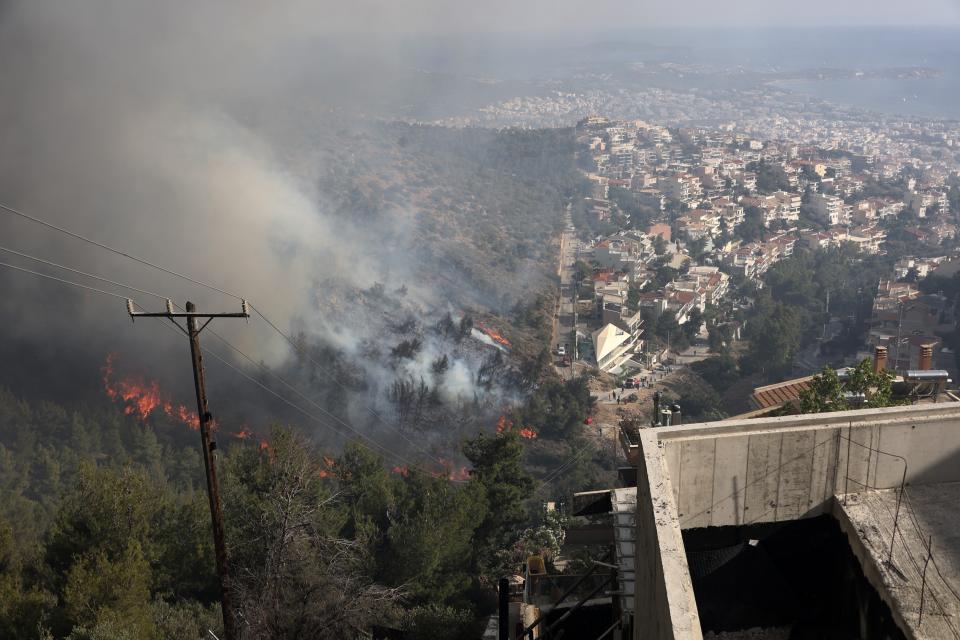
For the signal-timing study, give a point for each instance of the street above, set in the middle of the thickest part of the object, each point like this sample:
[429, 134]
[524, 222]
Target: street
[563, 317]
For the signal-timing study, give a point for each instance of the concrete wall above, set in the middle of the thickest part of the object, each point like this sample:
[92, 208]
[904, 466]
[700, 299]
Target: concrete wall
[765, 470]
[665, 607]
[773, 469]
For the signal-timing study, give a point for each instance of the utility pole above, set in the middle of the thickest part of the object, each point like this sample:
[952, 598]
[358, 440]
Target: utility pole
[206, 439]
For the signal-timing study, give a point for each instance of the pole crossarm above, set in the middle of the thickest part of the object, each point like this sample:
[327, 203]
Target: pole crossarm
[173, 313]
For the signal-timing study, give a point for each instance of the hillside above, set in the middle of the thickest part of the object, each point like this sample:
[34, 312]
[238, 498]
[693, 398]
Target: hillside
[479, 208]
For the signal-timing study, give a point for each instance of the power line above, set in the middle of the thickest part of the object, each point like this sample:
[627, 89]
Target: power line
[95, 243]
[263, 316]
[308, 414]
[299, 349]
[115, 295]
[286, 401]
[556, 473]
[75, 284]
[306, 398]
[82, 273]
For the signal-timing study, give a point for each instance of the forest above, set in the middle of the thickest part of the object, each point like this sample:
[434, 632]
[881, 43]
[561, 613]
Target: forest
[105, 528]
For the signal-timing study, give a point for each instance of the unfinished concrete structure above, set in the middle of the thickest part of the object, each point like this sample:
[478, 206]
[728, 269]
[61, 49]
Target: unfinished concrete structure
[766, 486]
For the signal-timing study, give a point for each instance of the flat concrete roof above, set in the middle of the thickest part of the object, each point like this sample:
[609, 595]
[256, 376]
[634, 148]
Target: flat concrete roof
[927, 512]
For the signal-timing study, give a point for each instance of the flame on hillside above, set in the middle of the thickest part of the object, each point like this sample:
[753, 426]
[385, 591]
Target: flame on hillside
[330, 467]
[492, 334]
[243, 434]
[458, 475]
[141, 399]
[505, 424]
[452, 472]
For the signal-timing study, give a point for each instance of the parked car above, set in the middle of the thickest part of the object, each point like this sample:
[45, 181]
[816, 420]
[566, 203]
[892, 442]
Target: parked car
[561, 350]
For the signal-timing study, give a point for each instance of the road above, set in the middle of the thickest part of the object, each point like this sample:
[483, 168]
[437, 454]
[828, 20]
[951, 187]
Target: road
[563, 317]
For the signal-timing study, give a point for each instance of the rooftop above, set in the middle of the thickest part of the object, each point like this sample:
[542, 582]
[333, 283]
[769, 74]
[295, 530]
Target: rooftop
[927, 513]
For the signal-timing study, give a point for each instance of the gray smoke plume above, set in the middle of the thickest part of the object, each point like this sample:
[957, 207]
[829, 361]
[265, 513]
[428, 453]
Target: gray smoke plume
[182, 133]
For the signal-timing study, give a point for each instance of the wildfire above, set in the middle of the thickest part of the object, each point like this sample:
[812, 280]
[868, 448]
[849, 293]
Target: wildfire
[451, 472]
[494, 335]
[141, 399]
[243, 434]
[264, 445]
[403, 471]
[330, 464]
[505, 424]
[459, 474]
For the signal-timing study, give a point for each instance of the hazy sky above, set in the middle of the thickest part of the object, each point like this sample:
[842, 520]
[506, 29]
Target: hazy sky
[513, 15]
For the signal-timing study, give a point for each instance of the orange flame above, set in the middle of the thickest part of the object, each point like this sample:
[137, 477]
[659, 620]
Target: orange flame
[459, 474]
[243, 434]
[141, 399]
[494, 335]
[505, 424]
[403, 471]
[264, 445]
[451, 472]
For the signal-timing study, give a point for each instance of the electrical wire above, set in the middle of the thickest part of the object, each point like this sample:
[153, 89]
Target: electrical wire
[300, 349]
[82, 273]
[385, 450]
[187, 278]
[303, 396]
[75, 284]
[556, 472]
[310, 415]
[101, 245]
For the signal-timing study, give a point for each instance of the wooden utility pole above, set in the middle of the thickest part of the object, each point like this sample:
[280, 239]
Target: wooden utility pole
[206, 438]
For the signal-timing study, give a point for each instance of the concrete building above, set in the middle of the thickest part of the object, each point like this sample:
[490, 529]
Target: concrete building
[830, 208]
[816, 524]
[613, 346]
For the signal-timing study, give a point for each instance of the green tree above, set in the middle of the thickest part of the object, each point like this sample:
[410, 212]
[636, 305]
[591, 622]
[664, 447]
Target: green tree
[860, 387]
[692, 326]
[659, 245]
[429, 543]
[752, 227]
[102, 548]
[498, 468]
[719, 372]
[581, 270]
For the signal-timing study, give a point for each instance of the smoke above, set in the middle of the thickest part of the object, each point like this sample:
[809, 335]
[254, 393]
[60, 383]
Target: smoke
[189, 135]
[129, 137]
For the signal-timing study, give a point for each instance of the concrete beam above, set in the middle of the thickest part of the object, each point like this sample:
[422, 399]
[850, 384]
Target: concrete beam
[736, 472]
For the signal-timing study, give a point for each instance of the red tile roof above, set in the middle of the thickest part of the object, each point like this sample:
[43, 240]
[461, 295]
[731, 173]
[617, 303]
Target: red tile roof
[777, 395]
